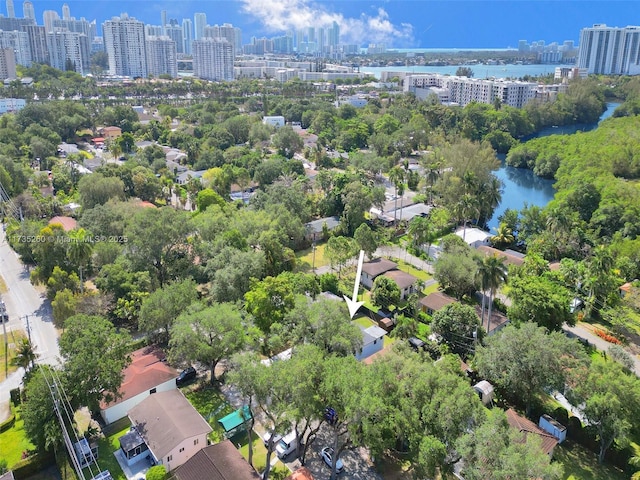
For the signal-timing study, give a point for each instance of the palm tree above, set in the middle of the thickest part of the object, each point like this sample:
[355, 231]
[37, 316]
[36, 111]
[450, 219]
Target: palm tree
[25, 355]
[464, 209]
[80, 249]
[504, 235]
[496, 275]
[396, 176]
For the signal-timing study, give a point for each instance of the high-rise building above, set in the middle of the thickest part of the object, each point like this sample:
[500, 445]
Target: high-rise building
[162, 58]
[7, 64]
[163, 18]
[28, 10]
[610, 50]
[69, 50]
[213, 59]
[333, 35]
[200, 22]
[11, 12]
[66, 12]
[187, 35]
[19, 43]
[48, 16]
[124, 40]
[37, 38]
[175, 33]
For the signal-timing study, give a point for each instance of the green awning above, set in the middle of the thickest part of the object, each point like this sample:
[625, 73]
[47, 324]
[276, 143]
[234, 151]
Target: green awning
[236, 419]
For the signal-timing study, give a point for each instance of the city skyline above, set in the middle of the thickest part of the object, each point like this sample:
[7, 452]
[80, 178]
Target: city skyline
[398, 24]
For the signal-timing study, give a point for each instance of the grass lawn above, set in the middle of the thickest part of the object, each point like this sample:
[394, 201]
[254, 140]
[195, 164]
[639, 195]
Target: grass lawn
[581, 464]
[12, 339]
[14, 441]
[3, 285]
[211, 404]
[259, 454]
[107, 445]
[431, 289]
[305, 258]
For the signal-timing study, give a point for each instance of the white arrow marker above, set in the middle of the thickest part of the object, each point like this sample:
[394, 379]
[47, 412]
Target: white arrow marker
[354, 304]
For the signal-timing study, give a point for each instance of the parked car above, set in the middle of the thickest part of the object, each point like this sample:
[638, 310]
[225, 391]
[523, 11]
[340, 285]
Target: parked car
[186, 376]
[287, 445]
[327, 456]
[267, 436]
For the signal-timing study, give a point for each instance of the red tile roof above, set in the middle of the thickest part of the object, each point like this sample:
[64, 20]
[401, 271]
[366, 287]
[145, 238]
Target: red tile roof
[67, 223]
[527, 427]
[146, 371]
[302, 473]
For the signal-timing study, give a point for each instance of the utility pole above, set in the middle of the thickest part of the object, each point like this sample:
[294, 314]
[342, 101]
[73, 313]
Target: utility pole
[3, 316]
[28, 328]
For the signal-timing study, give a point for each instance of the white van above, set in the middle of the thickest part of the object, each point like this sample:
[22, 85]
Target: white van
[287, 445]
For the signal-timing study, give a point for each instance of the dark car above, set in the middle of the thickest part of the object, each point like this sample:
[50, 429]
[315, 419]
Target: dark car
[186, 376]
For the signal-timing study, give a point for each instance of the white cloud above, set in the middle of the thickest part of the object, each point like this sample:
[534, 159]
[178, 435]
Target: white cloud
[282, 15]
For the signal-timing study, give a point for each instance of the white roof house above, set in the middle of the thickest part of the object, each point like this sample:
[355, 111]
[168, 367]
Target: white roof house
[273, 120]
[474, 237]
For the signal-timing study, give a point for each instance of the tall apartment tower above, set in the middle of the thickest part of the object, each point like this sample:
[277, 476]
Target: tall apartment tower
[7, 64]
[200, 22]
[187, 35]
[175, 33]
[66, 12]
[333, 35]
[69, 51]
[213, 59]
[37, 38]
[124, 40]
[19, 43]
[610, 50]
[162, 58]
[163, 18]
[48, 16]
[11, 12]
[27, 10]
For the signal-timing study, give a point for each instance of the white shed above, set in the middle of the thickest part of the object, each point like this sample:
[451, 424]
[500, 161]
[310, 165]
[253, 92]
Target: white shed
[485, 391]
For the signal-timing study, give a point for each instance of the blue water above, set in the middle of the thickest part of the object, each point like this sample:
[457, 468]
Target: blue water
[522, 186]
[479, 71]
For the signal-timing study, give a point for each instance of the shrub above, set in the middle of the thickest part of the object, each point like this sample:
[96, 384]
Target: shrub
[32, 465]
[15, 396]
[607, 337]
[561, 415]
[157, 472]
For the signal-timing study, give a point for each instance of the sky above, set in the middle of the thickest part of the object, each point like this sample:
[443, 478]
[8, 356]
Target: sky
[482, 24]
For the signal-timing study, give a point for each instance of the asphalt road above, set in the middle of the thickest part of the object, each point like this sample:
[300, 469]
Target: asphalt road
[23, 299]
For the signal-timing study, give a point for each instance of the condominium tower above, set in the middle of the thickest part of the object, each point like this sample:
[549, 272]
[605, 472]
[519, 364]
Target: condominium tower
[213, 59]
[124, 41]
[610, 50]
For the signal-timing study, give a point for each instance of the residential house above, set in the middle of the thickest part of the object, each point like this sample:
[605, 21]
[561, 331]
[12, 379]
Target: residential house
[498, 319]
[221, 461]
[184, 177]
[474, 237]
[374, 268]
[372, 341]
[406, 282]
[527, 427]
[302, 473]
[170, 429]
[148, 373]
[314, 231]
[435, 301]
[508, 257]
[626, 289]
[109, 133]
[67, 223]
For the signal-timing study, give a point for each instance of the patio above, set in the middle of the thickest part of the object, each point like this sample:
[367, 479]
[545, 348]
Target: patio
[137, 471]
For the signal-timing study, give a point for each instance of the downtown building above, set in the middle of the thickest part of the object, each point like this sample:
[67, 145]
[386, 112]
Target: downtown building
[69, 51]
[213, 59]
[610, 50]
[162, 58]
[125, 43]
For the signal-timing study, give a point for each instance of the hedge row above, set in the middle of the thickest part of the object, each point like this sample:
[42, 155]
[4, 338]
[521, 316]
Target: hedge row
[8, 423]
[32, 465]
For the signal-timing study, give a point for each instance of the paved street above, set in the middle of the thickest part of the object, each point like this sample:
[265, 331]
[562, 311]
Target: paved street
[22, 300]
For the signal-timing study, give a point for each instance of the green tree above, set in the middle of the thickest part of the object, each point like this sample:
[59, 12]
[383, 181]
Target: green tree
[491, 273]
[160, 309]
[25, 355]
[495, 451]
[367, 240]
[611, 399]
[459, 327]
[207, 334]
[524, 361]
[40, 422]
[79, 250]
[64, 305]
[94, 355]
[454, 270]
[385, 292]
[96, 189]
[287, 141]
[541, 300]
[157, 472]
[339, 250]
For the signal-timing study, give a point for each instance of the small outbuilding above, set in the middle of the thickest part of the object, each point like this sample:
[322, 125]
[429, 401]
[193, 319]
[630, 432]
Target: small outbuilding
[485, 391]
[552, 426]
